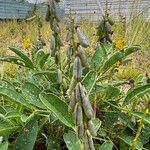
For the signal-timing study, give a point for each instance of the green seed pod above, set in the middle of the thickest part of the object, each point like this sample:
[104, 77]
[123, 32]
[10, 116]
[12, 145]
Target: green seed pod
[80, 131]
[52, 46]
[68, 37]
[55, 27]
[88, 141]
[92, 128]
[77, 69]
[71, 87]
[82, 56]
[70, 51]
[47, 17]
[59, 40]
[59, 76]
[78, 117]
[82, 39]
[72, 102]
[67, 25]
[88, 110]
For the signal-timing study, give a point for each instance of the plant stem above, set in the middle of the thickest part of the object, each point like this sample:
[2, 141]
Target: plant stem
[140, 127]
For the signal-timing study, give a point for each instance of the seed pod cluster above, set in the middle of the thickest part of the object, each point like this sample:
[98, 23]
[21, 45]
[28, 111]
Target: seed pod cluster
[54, 15]
[104, 31]
[79, 103]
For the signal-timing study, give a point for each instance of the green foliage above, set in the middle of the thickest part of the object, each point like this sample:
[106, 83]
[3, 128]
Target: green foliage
[34, 105]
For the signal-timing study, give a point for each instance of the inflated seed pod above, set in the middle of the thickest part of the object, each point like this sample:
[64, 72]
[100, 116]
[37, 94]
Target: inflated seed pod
[77, 69]
[68, 37]
[82, 39]
[88, 110]
[92, 128]
[67, 25]
[52, 45]
[47, 17]
[88, 141]
[59, 76]
[70, 51]
[108, 28]
[72, 102]
[82, 56]
[80, 131]
[55, 27]
[101, 23]
[78, 117]
[59, 40]
[79, 90]
[71, 87]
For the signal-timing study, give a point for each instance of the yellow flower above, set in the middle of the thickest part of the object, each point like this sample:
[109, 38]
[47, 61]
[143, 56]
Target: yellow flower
[121, 43]
[27, 43]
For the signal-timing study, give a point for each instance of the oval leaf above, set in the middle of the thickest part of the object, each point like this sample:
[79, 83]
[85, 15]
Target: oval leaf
[71, 141]
[31, 93]
[58, 107]
[13, 95]
[27, 137]
[108, 145]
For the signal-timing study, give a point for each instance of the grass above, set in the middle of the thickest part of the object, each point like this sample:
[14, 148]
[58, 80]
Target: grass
[136, 31]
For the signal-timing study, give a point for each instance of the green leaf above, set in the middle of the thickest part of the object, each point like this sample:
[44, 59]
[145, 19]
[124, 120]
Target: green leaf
[111, 61]
[4, 145]
[108, 145]
[130, 50]
[52, 75]
[128, 139]
[89, 81]
[58, 107]
[43, 60]
[97, 122]
[6, 126]
[7, 84]
[112, 92]
[139, 116]
[71, 141]
[14, 59]
[14, 96]
[31, 93]
[136, 92]
[99, 56]
[26, 59]
[27, 137]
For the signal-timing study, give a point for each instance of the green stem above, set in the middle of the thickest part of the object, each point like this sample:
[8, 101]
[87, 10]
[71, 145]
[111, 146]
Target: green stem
[140, 128]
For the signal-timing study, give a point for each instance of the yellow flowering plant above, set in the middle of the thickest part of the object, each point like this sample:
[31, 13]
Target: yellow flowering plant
[27, 43]
[120, 43]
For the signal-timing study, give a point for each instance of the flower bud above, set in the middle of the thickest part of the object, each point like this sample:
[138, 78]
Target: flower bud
[59, 76]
